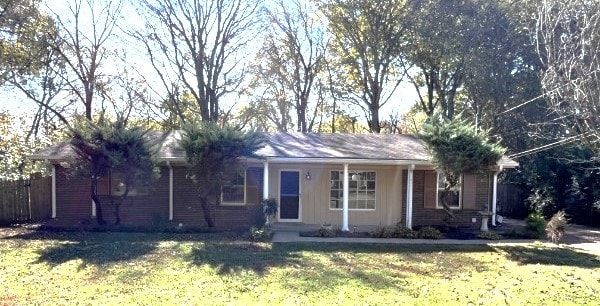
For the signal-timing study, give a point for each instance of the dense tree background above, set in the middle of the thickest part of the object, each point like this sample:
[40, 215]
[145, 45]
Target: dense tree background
[526, 71]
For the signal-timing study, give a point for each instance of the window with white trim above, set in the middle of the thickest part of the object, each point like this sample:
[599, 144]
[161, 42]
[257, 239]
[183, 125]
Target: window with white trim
[453, 195]
[242, 188]
[113, 184]
[361, 190]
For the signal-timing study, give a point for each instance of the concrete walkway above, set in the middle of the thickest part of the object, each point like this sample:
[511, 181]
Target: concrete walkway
[283, 237]
[576, 236]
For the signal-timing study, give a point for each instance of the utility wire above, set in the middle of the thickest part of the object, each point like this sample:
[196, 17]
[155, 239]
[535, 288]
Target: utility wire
[549, 146]
[544, 94]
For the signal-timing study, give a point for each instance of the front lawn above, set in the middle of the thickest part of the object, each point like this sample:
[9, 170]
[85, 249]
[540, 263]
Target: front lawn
[135, 268]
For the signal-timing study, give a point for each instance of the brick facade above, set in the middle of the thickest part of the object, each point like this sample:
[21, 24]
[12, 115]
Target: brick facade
[74, 204]
[434, 216]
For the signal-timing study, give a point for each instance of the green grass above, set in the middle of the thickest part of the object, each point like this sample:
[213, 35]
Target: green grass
[135, 268]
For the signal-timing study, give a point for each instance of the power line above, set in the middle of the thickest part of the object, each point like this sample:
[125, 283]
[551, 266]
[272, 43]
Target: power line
[549, 146]
[551, 91]
[522, 104]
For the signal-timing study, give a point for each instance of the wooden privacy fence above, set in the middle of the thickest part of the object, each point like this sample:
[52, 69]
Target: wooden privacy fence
[26, 199]
[511, 201]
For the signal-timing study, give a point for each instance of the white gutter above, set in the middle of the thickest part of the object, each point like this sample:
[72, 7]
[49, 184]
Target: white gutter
[315, 160]
[170, 191]
[347, 161]
[495, 195]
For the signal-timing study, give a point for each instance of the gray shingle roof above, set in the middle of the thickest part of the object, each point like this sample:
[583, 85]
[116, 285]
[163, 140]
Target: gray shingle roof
[373, 147]
[344, 146]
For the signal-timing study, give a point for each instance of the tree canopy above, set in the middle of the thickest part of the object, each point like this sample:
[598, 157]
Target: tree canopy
[213, 154]
[108, 149]
[457, 148]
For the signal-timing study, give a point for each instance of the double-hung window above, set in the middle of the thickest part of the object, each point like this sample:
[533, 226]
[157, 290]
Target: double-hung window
[361, 190]
[453, 196]
[113, 184]
[242, 188]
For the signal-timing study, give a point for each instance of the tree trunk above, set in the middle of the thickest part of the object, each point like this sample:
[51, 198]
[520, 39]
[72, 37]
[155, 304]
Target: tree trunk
[374, 126]
[301, 111]
[118, 203]
[206, 210]
[99, 219]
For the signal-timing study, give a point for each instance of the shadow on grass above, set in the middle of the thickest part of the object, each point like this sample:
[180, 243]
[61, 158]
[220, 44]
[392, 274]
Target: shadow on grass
[94, 253]
[102, 236]
[550, 256]
[230, 257]
[101, 248]
[323, 271]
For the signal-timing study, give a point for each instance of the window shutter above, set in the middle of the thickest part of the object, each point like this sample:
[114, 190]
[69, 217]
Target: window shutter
[430, 183]
[252, 183]
[469, 190]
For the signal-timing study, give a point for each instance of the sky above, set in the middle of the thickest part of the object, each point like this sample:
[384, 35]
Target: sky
[13, 101]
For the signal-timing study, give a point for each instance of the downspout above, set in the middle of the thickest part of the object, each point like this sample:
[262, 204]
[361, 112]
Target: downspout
[53, 190]
[170, 190]
[345, 200]
[495, 195]
[409, 196]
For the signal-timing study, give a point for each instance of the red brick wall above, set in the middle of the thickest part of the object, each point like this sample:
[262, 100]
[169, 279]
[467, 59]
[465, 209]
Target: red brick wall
[188, 211]
[428, 216]
[73, 201]
[143, 210]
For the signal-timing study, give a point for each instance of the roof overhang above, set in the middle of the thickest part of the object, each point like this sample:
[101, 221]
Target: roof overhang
[354, 161]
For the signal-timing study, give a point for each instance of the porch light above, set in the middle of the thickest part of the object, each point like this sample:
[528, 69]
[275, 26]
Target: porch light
[308, 177]
[65, 164]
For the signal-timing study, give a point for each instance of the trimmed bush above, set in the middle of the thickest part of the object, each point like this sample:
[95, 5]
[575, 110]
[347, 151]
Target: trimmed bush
[260, 233]
[489, 236]
[381, 232]
[535, 225]
[326, 232]
[428, 232]
[402, 231]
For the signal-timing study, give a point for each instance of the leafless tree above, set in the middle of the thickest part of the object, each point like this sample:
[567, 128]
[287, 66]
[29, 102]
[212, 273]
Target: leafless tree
[82, 44]
[367, 42]
[568, 43]
[196, 47]
[289, 63]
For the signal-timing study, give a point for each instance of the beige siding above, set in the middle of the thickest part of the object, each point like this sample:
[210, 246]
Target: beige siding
[315, 194]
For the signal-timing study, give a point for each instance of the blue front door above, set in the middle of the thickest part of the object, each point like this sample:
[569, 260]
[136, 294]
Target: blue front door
[289, 196]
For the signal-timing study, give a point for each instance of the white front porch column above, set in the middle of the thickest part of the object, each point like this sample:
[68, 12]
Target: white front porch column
[170, 191]
[409, 196]
[495, 195]
[53, 191]
[266, 180]
[345, 200]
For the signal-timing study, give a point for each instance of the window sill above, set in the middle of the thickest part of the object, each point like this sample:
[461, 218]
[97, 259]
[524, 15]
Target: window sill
[233, 204]
[354, 209]
[452, 208]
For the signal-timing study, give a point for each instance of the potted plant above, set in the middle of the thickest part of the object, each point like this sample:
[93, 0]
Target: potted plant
[269, 207]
